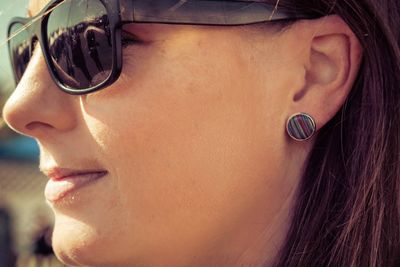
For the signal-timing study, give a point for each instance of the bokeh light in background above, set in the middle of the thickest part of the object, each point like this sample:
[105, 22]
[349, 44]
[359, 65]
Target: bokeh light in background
[25, 219]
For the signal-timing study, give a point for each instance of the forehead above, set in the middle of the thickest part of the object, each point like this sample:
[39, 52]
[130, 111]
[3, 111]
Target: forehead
[35, 6]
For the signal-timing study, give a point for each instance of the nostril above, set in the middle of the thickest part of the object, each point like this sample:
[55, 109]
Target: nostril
[32, 126]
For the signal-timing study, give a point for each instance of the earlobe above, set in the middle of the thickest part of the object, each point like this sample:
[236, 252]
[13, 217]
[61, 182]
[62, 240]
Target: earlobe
[331, 67]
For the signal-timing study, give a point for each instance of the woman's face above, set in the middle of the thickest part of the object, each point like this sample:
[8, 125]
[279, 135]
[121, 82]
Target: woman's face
[192, 140]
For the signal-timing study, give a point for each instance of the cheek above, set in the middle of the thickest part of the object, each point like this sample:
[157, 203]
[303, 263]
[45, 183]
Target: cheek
[191, 155]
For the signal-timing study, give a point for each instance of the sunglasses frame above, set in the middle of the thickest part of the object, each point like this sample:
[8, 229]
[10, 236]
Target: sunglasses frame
[121, 12]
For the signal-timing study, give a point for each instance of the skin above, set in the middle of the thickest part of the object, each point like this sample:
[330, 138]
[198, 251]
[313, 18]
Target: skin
[200, 169]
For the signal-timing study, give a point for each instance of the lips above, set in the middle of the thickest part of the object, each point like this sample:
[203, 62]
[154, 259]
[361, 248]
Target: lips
[65, 181]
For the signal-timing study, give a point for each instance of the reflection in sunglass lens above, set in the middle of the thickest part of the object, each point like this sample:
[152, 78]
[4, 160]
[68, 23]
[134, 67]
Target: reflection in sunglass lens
[19, 49]
[79, 41]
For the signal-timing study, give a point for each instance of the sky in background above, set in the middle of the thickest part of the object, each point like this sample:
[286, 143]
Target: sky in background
[8, 9]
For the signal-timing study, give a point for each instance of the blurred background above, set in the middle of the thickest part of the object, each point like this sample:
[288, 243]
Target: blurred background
[25, 219]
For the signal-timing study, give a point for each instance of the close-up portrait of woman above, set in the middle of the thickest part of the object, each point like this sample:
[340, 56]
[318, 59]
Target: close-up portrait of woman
[180, 133]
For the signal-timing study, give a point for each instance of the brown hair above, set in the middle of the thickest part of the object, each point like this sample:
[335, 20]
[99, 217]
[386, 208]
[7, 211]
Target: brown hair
[347, 209]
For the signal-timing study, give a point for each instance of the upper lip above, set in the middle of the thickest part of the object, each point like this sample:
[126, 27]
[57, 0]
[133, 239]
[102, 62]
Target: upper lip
[57, 173]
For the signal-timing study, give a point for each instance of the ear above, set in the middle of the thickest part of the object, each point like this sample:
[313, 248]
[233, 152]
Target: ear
[331, 61]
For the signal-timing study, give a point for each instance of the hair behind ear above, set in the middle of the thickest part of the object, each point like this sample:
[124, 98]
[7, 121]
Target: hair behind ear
[347, 212]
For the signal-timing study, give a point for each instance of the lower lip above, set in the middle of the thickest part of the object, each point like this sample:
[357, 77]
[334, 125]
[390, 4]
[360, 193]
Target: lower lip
[57, 189]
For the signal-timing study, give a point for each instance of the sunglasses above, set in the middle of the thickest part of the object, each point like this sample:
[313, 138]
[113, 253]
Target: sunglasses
[82, 43]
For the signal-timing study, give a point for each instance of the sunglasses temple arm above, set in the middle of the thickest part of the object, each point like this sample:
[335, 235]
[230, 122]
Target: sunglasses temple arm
[202, 12]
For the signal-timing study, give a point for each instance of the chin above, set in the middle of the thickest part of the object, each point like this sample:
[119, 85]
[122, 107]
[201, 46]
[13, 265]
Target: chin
[78, 244]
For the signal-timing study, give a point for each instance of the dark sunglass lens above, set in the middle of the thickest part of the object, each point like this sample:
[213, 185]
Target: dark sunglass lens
[19, 49]
[79, 42]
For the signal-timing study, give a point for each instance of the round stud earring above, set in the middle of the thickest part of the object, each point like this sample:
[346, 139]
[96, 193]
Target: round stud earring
[301, 127]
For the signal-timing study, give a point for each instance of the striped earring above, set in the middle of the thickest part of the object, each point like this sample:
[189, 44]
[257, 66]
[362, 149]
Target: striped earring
[301, 127]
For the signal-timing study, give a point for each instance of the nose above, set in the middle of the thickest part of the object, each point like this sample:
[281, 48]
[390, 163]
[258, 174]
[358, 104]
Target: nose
[37, 108]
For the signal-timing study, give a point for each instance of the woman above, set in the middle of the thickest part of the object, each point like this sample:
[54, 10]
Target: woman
[273, 143]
